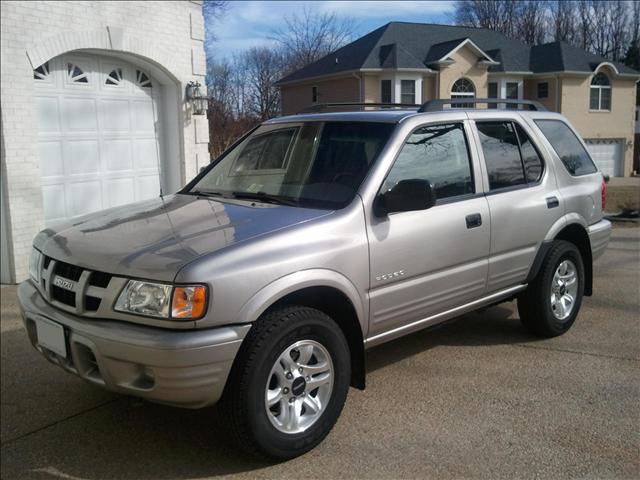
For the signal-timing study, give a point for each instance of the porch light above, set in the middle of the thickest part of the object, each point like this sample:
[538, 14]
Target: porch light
[194, 96]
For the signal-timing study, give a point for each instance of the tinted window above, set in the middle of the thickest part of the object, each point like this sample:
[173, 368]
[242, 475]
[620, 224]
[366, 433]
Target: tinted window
[385, 91]
[530, 156]
[492, 92]
[265, 152]
[567, 146]
[501, 154]
[314, 164]
[543, 90]
[437, 153]
[512, 93]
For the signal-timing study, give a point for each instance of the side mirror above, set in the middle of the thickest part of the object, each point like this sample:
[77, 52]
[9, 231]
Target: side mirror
[406, 196]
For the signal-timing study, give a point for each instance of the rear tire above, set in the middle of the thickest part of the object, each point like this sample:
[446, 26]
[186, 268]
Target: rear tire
[288, 383]
[550, 304]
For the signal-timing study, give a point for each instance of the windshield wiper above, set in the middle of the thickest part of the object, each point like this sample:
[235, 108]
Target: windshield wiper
[266, 197]
[201, 193]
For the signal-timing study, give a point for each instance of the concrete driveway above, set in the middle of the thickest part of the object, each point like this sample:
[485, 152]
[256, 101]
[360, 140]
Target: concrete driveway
[475, 398]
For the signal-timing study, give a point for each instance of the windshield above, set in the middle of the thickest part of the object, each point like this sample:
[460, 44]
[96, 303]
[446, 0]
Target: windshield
[313, 164]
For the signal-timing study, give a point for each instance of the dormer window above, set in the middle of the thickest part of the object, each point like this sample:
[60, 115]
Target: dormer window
[600, 93]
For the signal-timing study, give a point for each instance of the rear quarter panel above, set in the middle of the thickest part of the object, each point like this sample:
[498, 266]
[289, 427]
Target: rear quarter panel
[581, 194]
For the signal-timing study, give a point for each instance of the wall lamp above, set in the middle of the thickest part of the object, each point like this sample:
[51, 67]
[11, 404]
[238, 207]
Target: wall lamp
[194, 96]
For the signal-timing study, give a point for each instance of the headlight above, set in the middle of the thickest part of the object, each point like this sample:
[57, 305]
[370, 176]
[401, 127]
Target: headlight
[158, 300]
[145, 298]
[34, 265]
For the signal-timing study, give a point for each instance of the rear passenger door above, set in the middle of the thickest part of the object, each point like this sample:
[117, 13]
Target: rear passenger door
[523, 198]
[427, 261]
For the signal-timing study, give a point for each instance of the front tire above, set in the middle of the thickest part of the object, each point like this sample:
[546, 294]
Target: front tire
[550, 305]
[288, 384]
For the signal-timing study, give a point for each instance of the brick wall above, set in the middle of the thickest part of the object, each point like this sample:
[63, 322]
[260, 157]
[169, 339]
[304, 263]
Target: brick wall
[167, 34]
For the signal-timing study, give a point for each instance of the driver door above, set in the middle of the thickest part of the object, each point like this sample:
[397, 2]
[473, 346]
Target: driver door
[428, 261]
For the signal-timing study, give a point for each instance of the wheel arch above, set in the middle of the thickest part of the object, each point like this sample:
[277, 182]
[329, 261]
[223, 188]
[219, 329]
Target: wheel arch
[571, 229]
[324, 290]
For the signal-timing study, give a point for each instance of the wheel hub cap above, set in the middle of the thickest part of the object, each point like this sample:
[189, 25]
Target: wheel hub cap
[564, 290]
[299, 386]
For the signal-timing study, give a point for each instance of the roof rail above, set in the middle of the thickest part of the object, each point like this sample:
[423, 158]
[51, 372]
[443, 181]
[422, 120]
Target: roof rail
[320, 107]
[438, 105]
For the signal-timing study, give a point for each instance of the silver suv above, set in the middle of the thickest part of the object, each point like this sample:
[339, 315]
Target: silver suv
[260, 285]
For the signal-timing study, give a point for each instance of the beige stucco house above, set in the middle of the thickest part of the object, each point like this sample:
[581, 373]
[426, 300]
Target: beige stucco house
[411, 63]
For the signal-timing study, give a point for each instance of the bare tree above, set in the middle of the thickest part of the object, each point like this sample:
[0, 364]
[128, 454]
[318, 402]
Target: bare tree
[213, 9]
[263, 67]
[618, 32]
[498, 15]
[311, 35]
[563, 21]
[530, 21]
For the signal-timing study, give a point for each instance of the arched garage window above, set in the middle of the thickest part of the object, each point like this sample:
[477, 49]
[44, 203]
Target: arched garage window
[600, 93]
[463, 88]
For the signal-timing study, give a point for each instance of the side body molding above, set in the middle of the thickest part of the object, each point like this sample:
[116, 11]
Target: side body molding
[293, 282]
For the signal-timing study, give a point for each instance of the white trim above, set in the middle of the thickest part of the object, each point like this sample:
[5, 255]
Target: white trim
[344, 73]
[606, 64]
[586, 74]
[462, 44]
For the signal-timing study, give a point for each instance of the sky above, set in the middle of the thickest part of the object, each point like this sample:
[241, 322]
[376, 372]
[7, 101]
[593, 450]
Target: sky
[249, 23]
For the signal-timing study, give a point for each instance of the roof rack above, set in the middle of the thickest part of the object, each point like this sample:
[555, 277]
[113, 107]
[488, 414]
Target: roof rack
[320, 107]
[438, 105]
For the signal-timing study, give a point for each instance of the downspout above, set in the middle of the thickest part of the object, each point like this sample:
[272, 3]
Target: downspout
[558, 94]
[360, 93]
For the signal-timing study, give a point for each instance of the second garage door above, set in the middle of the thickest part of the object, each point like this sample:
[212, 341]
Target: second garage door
[607, 153]
[97, 134]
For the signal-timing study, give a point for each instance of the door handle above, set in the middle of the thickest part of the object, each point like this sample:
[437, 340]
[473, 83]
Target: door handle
[552, 202]
[474, 220]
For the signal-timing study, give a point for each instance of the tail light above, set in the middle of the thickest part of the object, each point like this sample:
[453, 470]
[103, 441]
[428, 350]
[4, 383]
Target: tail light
[603, 194]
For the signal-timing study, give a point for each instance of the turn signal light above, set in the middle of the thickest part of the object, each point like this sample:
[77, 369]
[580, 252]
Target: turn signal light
[189, 302]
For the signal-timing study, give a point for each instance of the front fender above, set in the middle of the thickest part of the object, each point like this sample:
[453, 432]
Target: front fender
[293, 282]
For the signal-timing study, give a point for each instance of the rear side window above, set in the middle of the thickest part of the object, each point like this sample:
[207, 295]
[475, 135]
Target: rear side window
[439, 154]
[530, 156]
[509, 154]
[565, 143]
[501, 154]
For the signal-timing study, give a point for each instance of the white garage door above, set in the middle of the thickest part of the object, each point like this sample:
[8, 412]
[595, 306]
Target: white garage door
[97, 135]
[607, 153]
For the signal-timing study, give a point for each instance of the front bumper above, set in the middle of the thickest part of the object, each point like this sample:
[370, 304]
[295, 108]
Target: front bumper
[599, 234]
[175, 367]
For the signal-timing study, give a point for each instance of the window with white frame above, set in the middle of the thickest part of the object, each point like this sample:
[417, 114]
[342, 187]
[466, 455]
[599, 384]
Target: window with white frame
[600, 93]
[408, 92]
[463, 88]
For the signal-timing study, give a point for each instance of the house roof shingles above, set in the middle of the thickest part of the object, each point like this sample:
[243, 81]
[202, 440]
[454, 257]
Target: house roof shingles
[417, 45]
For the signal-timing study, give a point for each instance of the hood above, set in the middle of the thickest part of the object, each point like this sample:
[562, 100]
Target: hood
[156, 238]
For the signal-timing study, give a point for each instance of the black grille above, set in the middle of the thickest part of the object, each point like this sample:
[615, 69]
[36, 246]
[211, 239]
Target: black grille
[47, 261]
[91, 304]
[68, 271]
[63, 296]
[100, 279]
